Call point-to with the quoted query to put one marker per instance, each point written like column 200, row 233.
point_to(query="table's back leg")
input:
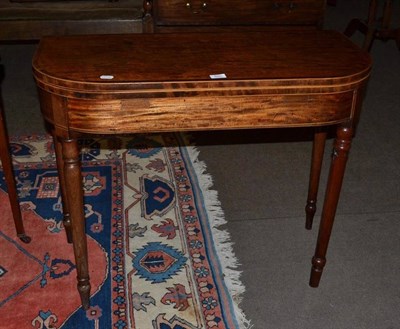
column 74, row 193
column 10, row 181
column 341, row 149
column 315, row 173
column 60, row 168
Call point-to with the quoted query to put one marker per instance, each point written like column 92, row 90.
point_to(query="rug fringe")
column 224, row 246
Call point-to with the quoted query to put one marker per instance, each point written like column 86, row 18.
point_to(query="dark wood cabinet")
column 31, row 20
column 169, row 14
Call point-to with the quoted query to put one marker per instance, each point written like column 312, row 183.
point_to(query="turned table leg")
column 341, row 149
column 74, row 195
column 315, row 173
column 61, row 177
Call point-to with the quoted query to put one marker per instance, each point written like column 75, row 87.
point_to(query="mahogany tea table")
column 142, row 83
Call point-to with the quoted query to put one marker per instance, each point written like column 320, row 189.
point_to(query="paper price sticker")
column 106, row 77
column 218, row 76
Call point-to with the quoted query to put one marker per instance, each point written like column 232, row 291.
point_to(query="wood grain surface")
column 194, row 56
column 161, row 82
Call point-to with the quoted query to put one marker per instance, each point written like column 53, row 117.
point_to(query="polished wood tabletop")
column 112, row 84
column 149, row 71
column 240, row 55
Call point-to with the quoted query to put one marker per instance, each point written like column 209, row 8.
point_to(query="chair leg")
column 367, row 28
column 315, row 173
column 388, row 35
column 10, row 181
column 387, row 14
column 64, row 200
column 369, row 39
column 354, row 26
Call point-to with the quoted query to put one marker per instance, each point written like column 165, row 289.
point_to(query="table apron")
column 208, row 112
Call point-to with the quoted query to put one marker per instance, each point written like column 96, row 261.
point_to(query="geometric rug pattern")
column 157, row 255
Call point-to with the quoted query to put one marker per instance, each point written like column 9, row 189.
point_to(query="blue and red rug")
column 157, row 257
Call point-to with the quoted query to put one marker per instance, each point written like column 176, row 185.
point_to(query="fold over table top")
column 190, row 81
column 149, row 60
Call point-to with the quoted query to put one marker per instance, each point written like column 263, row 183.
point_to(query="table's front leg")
column 341, row 149
column 74, row 193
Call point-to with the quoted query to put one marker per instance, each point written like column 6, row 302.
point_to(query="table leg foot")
column 316, row 271
column 311, row 209
column 24, row 238
column 84, row 292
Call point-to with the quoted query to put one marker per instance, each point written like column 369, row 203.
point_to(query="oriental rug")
column 158, row 257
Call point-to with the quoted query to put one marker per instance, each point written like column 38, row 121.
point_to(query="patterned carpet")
column 157, row 258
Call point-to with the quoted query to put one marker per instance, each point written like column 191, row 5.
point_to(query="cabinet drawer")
column 238, row 12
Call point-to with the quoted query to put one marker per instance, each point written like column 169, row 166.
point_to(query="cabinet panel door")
column 238, row 12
